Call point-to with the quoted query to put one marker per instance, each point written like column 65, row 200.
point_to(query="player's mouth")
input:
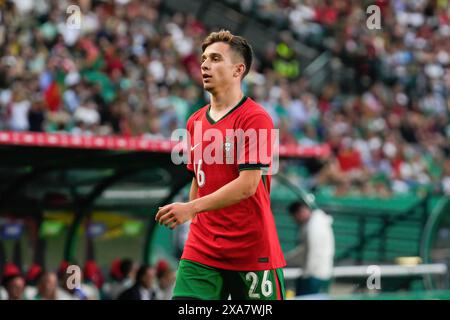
column 206, row 77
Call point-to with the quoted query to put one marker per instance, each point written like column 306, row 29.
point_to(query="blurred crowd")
column 385, row 108
column 125, row 281
column 120, row 73
column 133, row 69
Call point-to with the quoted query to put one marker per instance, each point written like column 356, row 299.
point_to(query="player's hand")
column 175, row 214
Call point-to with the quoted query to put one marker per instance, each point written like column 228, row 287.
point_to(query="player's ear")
column 239, row 70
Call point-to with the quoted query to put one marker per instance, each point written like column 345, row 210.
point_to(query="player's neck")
column 222, row 101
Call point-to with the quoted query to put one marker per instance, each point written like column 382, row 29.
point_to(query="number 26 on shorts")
column 266, row 285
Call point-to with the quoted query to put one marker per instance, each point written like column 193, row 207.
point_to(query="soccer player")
column 232, row 247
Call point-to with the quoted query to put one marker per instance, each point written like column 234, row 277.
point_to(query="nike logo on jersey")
column 192, row 148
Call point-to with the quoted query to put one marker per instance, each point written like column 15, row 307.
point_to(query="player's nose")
column 205, row 65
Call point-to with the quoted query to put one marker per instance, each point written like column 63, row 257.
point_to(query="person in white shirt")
column 315, row 254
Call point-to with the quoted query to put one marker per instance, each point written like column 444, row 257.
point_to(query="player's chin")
column 208, row 86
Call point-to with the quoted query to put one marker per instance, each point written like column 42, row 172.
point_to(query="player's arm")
column 246, row 184
column 233, row 192
column 193, row 192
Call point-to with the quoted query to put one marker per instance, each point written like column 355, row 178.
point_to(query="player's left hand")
column 175, row 214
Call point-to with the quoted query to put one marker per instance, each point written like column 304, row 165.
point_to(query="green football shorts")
column 198, row 281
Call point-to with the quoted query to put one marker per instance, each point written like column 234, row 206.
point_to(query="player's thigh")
column 198, row 281
column 258, row 285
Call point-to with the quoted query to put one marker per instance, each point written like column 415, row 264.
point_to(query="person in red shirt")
column 349, row 158
column 232, row 247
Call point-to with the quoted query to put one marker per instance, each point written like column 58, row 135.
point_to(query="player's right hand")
column 175, row 214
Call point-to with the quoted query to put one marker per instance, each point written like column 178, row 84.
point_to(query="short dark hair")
column 126, row 265
column 295, row 206
column 237, row 43
column 7, row 280
column 141, row 272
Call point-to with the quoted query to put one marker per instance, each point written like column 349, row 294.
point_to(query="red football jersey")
column 243, row 236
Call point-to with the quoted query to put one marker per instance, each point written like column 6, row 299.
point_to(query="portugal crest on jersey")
column 228, row 147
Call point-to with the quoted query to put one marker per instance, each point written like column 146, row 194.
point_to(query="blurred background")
column 87, row 107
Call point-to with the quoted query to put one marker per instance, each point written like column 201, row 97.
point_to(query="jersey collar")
column 240, row 103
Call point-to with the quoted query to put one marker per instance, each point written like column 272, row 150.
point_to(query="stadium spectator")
column 15, row 287
column 143, row 287
column 48, row 289
column 13, row 282
column 122, row 275
column 77, row 289
column 93, row 274
column 166, row 280
column 315, row 253
column 31, row 279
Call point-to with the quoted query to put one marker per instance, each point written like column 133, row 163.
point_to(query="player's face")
column 218, row 66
